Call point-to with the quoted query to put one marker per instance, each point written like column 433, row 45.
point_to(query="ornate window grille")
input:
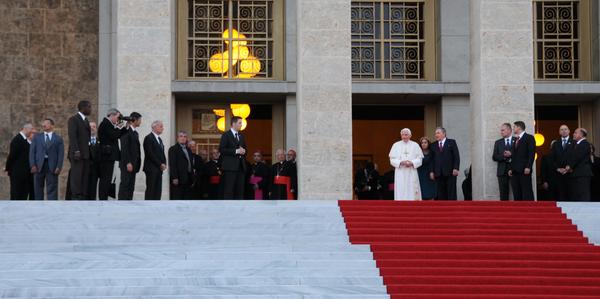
column 393, row 40
column 233, row 39
column 561, row 39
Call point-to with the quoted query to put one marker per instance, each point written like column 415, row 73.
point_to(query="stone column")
column 324, row 100
column 141, row 64
column 501, row 81
column 457, row 108
column 453, row 40
column 291, row 120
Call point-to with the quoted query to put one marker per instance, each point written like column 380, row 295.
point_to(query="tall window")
column 232, row 39
column 561, row 39
column 393, row 40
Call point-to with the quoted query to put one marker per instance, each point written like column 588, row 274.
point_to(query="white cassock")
column 406, row 179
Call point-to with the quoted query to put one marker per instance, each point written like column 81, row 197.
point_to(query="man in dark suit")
column 446, row 165
column 110, row 130
column 46, row 157
column 212, row 176
column 131, row 160
column 559, row 160
column 79, row 151
column 260, row 176
column 521, row 166
column 290, row 157
column 17, row 165
column 233, row 154
column 282, row 173
column 94, row 162
column 549, row 176
column 181, row 172
column 366, row 182
column 197, row 188
column 155, row 161
column 502, row 155
column 580, row 167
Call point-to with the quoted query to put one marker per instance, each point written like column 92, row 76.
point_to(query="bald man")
column 579, row 167
column 559, row 160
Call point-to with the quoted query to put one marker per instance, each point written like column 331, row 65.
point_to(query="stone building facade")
column 48, row 62
column 472, row 65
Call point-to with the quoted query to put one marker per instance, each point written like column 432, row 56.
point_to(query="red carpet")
column 481, row 249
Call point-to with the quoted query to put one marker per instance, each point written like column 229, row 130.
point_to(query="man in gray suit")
column 46, row 157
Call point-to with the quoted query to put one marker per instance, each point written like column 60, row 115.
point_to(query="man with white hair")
column 155, row 161
column 17, row 165
column 406, row 156
column 110, row 130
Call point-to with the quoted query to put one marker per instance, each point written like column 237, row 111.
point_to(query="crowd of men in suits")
column 566, row 172
column 571, row 172
column 36, row 159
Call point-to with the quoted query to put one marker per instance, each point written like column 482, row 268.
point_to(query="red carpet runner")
column 475, row 249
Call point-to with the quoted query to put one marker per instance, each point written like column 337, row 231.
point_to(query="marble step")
column 183, row 264
column 217, row 272
column 177, row 211
column 183, row 221
column 197, row 239
column 329, row 296
column 174, row 231
column 184, row 255
column 43, row 292
column 176, row 203
column 158, row 211
column 161, row 247
column 190, row 281
column 264, row 225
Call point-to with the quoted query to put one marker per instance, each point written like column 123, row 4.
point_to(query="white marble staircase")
column 182, row 249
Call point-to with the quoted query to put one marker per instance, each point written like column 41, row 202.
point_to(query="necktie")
column 564, row 143
column 47, row 145
column 237, row 137
column 517, row 141
column 441, row 146
column 507, row 145
column 93, row 140
column 161, row 143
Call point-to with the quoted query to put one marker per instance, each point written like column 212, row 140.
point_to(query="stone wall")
column 324, row 100
column 48, row 62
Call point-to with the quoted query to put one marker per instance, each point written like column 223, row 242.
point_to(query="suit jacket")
column 523, row 153
column 446, row 159
column 261, row 169
column 559, row 155
column 17, row 162
column 230, row 161
column 130, row 150
column 548, row 171
column 154, row 154
column 109, row 136
column 180, row 167
column 79, row 137
column 362, row 179
column 55, row 150
column 579, row 159
column 95, row 151
column 498, row 156
column 197, row 165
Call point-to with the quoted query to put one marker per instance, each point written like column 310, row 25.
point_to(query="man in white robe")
column 406, row 156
